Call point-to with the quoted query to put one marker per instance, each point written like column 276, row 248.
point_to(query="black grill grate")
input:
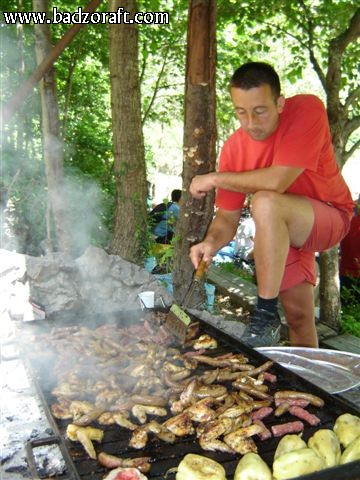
column 166, row 456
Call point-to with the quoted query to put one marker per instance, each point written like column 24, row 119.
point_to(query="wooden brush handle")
column 200, row 271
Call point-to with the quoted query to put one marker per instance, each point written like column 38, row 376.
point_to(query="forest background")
column 296, row 37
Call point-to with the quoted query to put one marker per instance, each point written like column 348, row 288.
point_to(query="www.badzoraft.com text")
column 79, row 16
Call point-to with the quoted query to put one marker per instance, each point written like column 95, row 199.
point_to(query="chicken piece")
column 85, row 435
column 61, row 410
column 140, row 435
column 211, row 391
column 189, row 362
column 172, row 367
column 215, row 445
column 252, row 390
column 241, row 444
column 229, row 401
column 121, row 419
column 141, row 411
column 108, row 396
column 161, row 432
column 112, row 461
column 153, row 400
column 188, row 392
column 147, row 382
column 201, row 411
column 214, row 429
column 178, row 376
column 266, row 433
column 85, row 412
column 180, row 425
column 106, row 418
column 204, row 341
column 141, row 370
column 226, row 374
column 185, row 399
column 237, row 410
column 67, row 390
column 209, row 377
column 239, row 439
column 139, row 438
column 166, row 436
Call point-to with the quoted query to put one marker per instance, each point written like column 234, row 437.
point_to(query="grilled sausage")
column 313, row 399
column 284, row 428
column 304, row 415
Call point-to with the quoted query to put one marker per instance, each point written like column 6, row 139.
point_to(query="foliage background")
column 282, row 33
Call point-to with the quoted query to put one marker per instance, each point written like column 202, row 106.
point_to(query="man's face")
column 257, row 110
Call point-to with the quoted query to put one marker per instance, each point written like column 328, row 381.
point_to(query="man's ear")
column 280, row 103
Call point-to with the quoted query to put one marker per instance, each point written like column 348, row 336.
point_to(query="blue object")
column 150, row 264
column 226, row 254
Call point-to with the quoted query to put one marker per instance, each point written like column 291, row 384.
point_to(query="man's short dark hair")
column 255, row 74
column 175, row 195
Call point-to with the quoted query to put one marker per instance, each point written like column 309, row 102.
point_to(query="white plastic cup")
column 147, row 299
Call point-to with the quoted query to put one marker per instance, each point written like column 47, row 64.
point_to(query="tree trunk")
column 130, row 228
column 329, row 288
column 199, row 139
column 52, row 143
column 20, row 138
column 47, row 62
column 338, row 120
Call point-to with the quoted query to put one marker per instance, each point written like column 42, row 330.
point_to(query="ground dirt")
column 225, row 307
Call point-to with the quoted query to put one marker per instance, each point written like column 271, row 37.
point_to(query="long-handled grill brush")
column 177, row 320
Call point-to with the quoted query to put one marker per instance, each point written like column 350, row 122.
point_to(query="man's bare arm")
column 274, row 178
column 220, row 232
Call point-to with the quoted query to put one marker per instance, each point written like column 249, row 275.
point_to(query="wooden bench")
column 345, row 342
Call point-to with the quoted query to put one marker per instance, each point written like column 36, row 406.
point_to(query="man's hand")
column 201, row 251
column 202, row 184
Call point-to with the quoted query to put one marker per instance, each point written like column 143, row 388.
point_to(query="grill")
column 166, row 456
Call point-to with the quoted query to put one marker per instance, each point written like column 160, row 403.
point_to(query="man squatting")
column 282, row 154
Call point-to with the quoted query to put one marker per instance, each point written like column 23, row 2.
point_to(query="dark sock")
column 268, row 304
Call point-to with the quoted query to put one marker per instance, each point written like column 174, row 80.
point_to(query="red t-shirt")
column 302, row 139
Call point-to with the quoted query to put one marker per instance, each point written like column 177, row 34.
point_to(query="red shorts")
column 330, row 227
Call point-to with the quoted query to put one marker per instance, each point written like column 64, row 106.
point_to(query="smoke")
column 24, row 211
column 88, row 208
column 26, row 223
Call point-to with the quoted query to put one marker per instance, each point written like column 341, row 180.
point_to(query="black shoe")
column 263, row 330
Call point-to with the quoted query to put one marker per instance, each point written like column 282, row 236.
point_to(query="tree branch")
column 353, row 96
column 310, row 46
column 156, row 88
column 347, row 153
column 336, row 50
column 350, row 126
column 352, row 33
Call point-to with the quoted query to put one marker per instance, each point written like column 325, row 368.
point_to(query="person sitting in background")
column 164, row 218
column 350, row 257
column 244, row 238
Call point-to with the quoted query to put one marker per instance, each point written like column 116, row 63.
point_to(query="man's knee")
column 264, row 202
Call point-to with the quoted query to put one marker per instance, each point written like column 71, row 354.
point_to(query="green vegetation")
column 231, row 267
column 350, row 312
column 289, row 35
